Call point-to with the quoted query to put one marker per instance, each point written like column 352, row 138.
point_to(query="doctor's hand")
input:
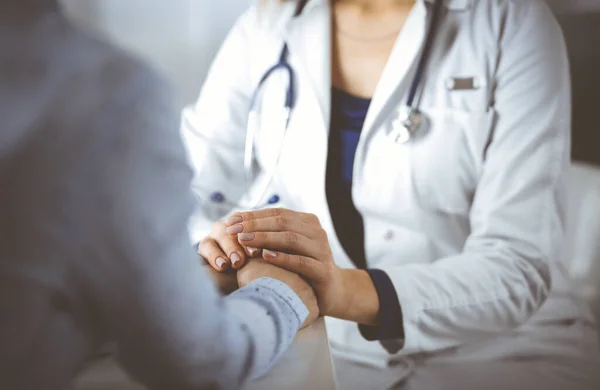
column 222, row 251
column 296, row 242
column 257, row 268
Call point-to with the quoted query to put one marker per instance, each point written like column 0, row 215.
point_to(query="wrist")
column 356, row 299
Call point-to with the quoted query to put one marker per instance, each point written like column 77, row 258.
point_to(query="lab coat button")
column 389, row 235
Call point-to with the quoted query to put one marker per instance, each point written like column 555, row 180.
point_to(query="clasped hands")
column 278, row 243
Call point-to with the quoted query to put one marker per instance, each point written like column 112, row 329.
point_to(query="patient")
column 93, row 240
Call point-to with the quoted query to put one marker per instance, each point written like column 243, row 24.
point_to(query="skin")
column 256, row 268
column 223, row 253
column 296, row 241
column 357, row 65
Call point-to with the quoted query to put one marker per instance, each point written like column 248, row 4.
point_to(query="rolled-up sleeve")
column 390, row 325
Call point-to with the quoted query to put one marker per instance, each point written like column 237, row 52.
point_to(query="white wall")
column 179, row 37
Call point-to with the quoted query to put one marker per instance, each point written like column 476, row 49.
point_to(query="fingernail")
column 269, row 253
column 252, row 251
column 233, row 220
column 235, row 229
column 221, row 262
column 235, row 258
column 246, row 236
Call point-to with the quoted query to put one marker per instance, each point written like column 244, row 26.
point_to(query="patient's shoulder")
column 104, row 94
column 106, row 70
column 104, row 80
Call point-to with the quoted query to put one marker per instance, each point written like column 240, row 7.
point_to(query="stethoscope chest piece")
column 407, row 125
column 410, row 120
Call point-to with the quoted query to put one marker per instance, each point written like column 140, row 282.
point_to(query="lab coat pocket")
column 447, row 159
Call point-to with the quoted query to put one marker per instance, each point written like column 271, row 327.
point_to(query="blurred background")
column 580, row 20
column 181, row 37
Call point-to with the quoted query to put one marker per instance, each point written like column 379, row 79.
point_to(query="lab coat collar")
column 309, row 40
column 453, row 5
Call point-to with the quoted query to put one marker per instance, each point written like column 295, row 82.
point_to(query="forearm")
column 358, row 300
column 173, row 330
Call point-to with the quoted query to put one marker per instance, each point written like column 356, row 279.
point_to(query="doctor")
column 423, row 147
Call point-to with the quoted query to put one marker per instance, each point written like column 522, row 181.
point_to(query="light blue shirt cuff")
column 273, row 318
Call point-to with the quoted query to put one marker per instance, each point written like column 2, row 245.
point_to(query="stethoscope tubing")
column 283, row 64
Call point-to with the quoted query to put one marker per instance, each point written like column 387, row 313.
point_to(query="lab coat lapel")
column 309, row 41
column 308, row 37
column 400, row 65
column 402, row 62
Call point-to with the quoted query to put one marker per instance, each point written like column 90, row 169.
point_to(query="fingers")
column 279, row 223
column 221, row 250
column 252, row 252
column 301, row 265
column 272, row 213
column 234, row 251
column 212, row 253
column 289, row 242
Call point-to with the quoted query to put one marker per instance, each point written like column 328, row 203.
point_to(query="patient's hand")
column 222, row 251
column 257, row 268
column 226, row 281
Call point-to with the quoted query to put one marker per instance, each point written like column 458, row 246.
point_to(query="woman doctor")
column 437, row 232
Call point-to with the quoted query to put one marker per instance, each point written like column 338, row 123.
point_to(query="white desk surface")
column 306, row 365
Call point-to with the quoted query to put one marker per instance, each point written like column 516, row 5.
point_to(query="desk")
column 306, row 365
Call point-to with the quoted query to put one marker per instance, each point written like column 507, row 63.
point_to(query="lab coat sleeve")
column 517, row 217
column 214, row 128
column 143, row 281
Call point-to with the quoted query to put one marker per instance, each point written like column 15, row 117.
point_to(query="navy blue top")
column 348, row 115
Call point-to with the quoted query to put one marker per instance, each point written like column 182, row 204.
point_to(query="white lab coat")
column 468, row 219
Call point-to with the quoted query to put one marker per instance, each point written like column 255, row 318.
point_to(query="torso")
column 362, row 41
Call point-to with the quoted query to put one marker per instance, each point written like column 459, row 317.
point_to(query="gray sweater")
column 95, row 200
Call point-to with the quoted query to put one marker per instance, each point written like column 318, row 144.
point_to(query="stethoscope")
column 404, row 128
